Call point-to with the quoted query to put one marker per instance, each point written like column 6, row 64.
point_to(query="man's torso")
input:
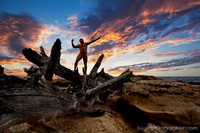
column 83, row 48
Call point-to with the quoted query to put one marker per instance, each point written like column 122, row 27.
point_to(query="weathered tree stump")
column 30, row 102
column 1, row 70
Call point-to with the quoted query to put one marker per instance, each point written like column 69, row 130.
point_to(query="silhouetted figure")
column 82, row 53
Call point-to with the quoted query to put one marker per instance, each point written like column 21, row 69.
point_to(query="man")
column 82, row 53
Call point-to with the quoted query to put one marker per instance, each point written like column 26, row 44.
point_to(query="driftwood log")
column 41, row 60
column 32, row 102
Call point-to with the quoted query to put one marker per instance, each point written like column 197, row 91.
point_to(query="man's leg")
column 78, row 58
column 85, row 64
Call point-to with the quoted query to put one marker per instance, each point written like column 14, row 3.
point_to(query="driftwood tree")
column 31, row 102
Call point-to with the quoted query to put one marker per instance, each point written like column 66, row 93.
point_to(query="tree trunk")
column 33, row 103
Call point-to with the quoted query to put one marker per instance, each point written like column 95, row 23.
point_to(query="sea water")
column 182, row 79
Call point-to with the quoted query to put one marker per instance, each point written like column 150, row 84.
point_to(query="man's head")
column 81, row 40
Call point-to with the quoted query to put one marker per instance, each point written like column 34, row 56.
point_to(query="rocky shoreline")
column 144, row 104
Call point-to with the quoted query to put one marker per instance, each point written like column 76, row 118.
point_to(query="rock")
column 167, row 102
column 164, row 103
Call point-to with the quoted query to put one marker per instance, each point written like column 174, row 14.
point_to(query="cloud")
column 135, row 10
column 3, row 57
column 73, row 21
column 191, row 24
column 18, row 72
column 177, row 69
column 125, row 27
column 142, row 67
column 135, row 26
column 186, row 53
column 18, row 32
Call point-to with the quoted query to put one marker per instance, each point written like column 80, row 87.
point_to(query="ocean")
column 182, row 79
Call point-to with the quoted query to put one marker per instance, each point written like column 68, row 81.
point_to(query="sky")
column 149, row 37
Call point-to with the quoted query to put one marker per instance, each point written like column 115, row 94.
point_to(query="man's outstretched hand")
column 72, row 40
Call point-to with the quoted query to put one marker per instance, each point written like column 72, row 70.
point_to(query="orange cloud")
column 19, row 31
column 122, row 49
column 178, row 69
column 73, row 21
column 118, row 72
column 17, row 72
column 111, row 32
column 190, row 52
column 152, row 7
column 174, row 42
column 123, row 31
column 145, row 21
column 12, row 61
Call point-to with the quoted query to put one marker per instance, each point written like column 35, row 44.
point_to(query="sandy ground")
column 110, row 122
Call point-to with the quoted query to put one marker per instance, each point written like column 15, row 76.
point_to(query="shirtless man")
column 82, row 53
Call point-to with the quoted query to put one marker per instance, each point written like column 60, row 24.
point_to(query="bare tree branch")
column 94, row 70
column 54, row 58
column 42, row 52
column 110, row 83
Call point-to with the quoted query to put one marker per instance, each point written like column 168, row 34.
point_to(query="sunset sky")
column 150, row 37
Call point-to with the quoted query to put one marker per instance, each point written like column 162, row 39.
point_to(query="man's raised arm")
column 93, row 40
column 72, row 41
